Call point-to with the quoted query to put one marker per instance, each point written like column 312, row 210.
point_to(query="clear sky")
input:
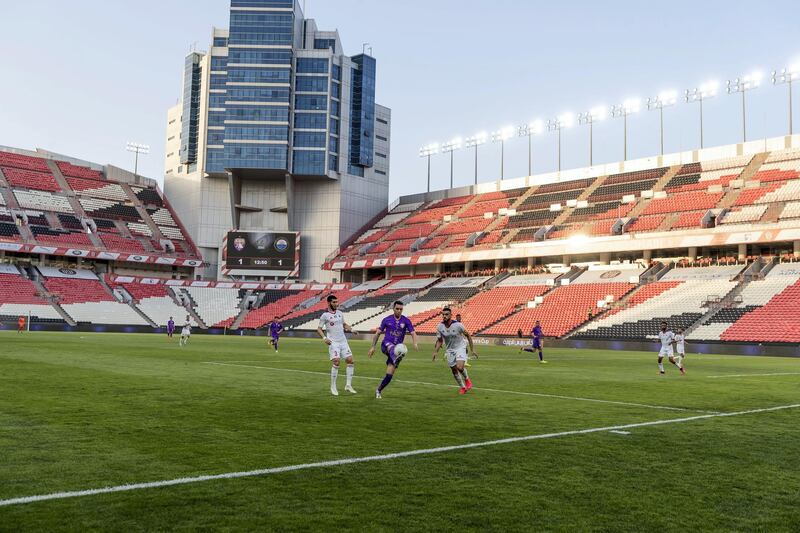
column 86, row 76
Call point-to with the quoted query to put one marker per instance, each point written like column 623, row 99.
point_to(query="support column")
column 364, row 275
column 742, row 255
column 605, row 258
column 498, row 264
column 647, row 255
column 796, row 247
column 531, row 262
column 413, row 270
column 235, row 190
column 566, row 260
column 387, row 273
column 467, row 266
column 693, row 253
column 438, row 268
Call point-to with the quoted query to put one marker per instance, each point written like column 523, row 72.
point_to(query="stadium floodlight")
column 748, row 82
column 137, row 149
column 787, row 76
column 451, row 146
column 664, row 99
column 427, row 151
column 564, row 120
column 534, row 127
column 473, row 142
column 628, row 107
column 596, row 114
column 501, row 136
column 699, row 94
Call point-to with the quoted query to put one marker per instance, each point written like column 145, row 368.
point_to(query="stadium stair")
column 670, row 219
column 729, row 199
column 753, row 166
column 190, row 305
column 665, row 179
column 772, row 213
column 243, row 313
column 726, row 302
column 591, row 188
column 52, row 299
column 58, row 175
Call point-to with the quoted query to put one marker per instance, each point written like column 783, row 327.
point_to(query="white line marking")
column 752, row 375
column 371, row 458
column 520, row 393
column 618, row 432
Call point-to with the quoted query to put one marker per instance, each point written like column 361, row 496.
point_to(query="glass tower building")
column 277, row 129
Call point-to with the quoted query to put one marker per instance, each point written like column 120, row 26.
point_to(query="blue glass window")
column 218, row 81
column 216, row 118
column 309, row 162
column 259, row 57
column 310, row 121
column 309, row 65
column 314, row 84
column 324, row 44
column 307, row 139
column 215, row 160
column 333, row 144
column 336, row 90
column 337, row 72
column 219, row 63
column 259, row 75
column 216, row 100
column 335, row 126
column 260, row 94
column 333, row 163
column 260, row 113
column 220, row 41
column 257, row 133
column 256, row 156
column 216, row 137
column 335, row 108
column 310, row 102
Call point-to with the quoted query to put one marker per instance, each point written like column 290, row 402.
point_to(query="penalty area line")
column 372, row 458
column 754, row 375
column 502, row 391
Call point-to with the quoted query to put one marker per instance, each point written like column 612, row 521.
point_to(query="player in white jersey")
column 332, row 328
column 186, row 332
column 680, row 346
column 455, row 338
column 667, row 338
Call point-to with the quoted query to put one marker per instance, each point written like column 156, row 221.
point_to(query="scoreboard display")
column 265, row 253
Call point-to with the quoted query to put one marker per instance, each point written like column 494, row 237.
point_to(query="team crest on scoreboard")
column 281, row 245
column 239, row 243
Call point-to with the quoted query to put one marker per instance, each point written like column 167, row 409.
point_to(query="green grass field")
column 87, row 411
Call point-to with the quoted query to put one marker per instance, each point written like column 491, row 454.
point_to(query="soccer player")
column 20, row 324
column 275, row 329
column 667, row 338
column 394, row 328
column 458, row 319
column 537, row 342
column 680, row 347
column 170, row 327
column 452, row 335
column 186, row 332
column 332, row 328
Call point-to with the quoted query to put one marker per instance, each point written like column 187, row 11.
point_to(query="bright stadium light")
column 534, row 127
column 628, row 107
column 473, row 142
column 502, row 136
column 664, row 99
column 787, row 76
column 748, row 82
column 137, row 149
column 427, row 151
column 698, row 94
column 451, row 146
column 596, row 114
column 564, row 120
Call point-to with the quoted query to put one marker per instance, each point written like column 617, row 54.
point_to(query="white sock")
column 457, row 376
column 334, row 375
column 349, row 371
column 661, row 366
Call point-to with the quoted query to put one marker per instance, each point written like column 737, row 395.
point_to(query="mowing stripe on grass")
column 520, row 393
column 371, row 458
column 754, row 375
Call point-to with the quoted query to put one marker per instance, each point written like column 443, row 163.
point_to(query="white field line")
column 619, row 432
column 372, row 458
column 754, row 375
column 519, row 393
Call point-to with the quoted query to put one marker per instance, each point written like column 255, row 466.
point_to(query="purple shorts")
column 388, row 350
column 537, row 344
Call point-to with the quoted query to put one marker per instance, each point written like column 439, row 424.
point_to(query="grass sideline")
column 82, row 411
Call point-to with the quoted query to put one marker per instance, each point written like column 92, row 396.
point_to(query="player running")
column 680, row 346
column 667, row 338
column 394, row 327
column 170, row 327
column 275, row 329
column 332, row 328
column 458, row 319
column 452, row 334
column 537, row 342
column 186, row 332
column 21, row 324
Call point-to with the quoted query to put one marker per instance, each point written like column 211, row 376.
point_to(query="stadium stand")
column 276, row 303
column 154, row 301
column 87, row 301
column 214, row 305
column 19, row 297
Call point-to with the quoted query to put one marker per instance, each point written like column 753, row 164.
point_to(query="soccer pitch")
column 594, row 440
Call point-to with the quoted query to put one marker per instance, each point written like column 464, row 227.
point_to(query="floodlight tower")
column 748, row 82
column 596, row 114
column 530, row 129
column 564, row 120
column 428, row 151
column 501, row 136
column 137, row 149
column 787, row 76
column 699, row 94
column 473, row 142
column 628, row 107
column 451, row 146
column 664, row 99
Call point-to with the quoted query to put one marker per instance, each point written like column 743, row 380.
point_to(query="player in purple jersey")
column 275, row 329
column 537, row 342
column 170, row 327
column 394, row 329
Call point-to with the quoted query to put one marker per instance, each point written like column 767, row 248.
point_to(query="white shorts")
column 186, row 333
column 339, row 350
column 681, row 352
column 453, row 356
column 666, row 351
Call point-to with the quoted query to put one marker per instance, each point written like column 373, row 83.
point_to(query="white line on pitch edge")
column 371, row 458
column 519, row 393
column 620, row 432
column 754, row 375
